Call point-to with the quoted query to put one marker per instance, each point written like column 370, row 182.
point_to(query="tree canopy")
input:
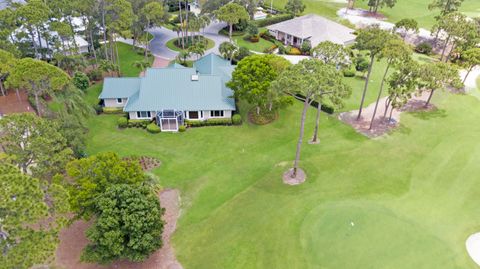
column 295, row 7
column 231, row 13
column 26, row 204
column 252, row 77
column 90, row 177
column 35, row 144
column 128, row 225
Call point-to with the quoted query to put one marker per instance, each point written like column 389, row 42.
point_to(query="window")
column 119, row 100
column 143, row 114
column 216, row 113
column 193, row 115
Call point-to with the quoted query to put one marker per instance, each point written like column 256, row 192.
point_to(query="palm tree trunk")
column 37, row 104
column 317, row 123
column 372, row 58
column 387, row 105
column 300, row 137
column 104, row 34
column 450, row 53
column 468, row 73
column 379, row 95
column 118, row 58
column 230, row 32
column 429, row 98
column 35, row 49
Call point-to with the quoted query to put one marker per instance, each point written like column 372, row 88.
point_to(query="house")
column 174, row 93
column 311, row 27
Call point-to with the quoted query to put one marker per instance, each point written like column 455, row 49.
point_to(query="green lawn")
column 416, row 9
column 127, row 57
column 412, row 196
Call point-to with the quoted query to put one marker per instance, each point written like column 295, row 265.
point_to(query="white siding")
column 112, row 102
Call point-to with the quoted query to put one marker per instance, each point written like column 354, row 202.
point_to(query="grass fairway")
column 416, row 9
column 413, row 196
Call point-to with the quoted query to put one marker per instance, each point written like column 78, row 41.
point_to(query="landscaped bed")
column 175, row 43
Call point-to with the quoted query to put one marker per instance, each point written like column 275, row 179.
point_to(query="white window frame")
column 221, row 114
column 147, row 113
column 121, row 101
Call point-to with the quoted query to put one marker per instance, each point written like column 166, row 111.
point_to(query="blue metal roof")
column 178, row 87
column 119, row 87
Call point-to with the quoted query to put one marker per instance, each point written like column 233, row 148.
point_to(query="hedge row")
column 112, row 110
column 273, row 20
column 208, row 122
column 138, row 123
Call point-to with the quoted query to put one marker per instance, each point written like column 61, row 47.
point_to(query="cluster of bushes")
column 267, row 36
column 349, row 72
column 235, row 120
column 273, row 20
column 424, row 48
column 123, row 122
column 292, row 51
column 153, row 128
column 112, row 110
column 270, row 49
column 95, row 75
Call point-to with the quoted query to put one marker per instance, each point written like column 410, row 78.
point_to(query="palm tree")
column 142, row 65
column 182, row 56
column 227, row 50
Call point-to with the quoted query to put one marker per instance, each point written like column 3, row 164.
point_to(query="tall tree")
column 90, row 177
column 128, row 225
column 152, row 14
column 26, row 238
column 32, row 16
column 395, row 52
column 252, row 78
column 38, row 78
column 406, row 25
column 445, row 6
column 231, row 13
column 333, row 92
column 371, row 39
column 376, row 4
column 469, row 58
column 227, row 49
column 331, row 53
column 7, row 61
column 295, row 7
column 439, row 75
column 403, row 82
column 35, row 144
column 306, row 79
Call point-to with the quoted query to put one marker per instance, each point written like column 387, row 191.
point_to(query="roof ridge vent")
column 195, row 77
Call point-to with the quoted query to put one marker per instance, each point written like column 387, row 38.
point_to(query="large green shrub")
column 237, row 119
column 273, row 20
column 209, row 122
column 95, row 75
column 81, row 81
column 122, row 122
column 153, row 128
column 112, row 110
column 424, row 48
column 138, row 123
column 348, row 73
column 182, row 128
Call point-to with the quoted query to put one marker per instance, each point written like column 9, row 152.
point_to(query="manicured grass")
column 408, row 200
column 412, row 196
column 416, row 9
column 170, row 44
column 259, row 46
column 128, row 55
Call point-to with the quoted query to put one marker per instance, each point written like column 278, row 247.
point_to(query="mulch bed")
column 147, row 163
column 12, row 104
column 297, row 180
column 263, row 118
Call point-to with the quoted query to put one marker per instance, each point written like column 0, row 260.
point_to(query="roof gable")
column 119, row 87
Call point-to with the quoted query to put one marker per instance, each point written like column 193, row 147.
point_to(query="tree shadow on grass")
column 426, row 115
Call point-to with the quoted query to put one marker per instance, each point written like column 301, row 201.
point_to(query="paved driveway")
column 161, row 35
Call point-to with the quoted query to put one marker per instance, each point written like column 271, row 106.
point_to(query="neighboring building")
column 174, row 93
column 311, row 27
